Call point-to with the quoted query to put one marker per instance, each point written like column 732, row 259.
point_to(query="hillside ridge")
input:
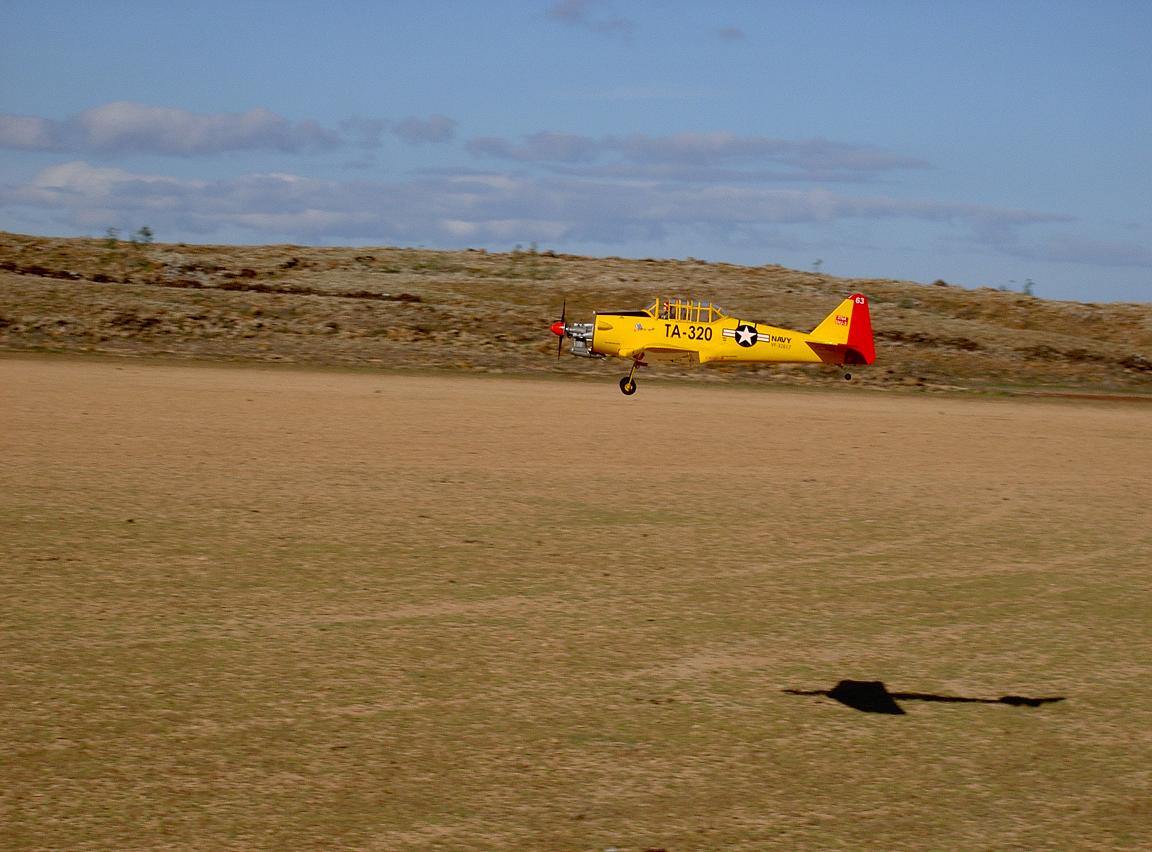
column 489, row 311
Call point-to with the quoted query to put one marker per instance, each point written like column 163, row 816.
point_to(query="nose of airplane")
column 558, row 328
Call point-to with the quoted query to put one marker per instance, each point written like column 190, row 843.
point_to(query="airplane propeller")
column 558, row 328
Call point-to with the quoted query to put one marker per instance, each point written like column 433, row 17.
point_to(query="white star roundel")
column 744, row 334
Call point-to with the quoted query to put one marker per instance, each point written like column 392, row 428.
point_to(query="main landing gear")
column 628, row 383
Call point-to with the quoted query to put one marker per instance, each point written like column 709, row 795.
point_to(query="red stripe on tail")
column 861, row 348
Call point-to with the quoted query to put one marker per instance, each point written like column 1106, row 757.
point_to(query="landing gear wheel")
column 847, row 377
column 628, row 383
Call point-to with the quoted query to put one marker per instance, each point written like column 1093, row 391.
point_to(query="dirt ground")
column 281, row 608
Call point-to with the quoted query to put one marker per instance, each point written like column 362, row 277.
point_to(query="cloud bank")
column 699, row 156
column 639, row 192
column 465, row 208
column 123, row 128
column 126, row 128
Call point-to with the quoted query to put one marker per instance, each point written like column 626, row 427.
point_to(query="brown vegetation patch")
column 488, row 311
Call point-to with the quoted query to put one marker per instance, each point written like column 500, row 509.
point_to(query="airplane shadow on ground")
column 872, row 696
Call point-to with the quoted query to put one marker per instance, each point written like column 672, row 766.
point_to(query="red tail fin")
column 845, row 335
column 860, row 342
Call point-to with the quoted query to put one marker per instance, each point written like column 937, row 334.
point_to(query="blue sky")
column 983, row 143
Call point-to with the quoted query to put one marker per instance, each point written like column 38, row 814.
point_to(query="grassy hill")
column 481, row 311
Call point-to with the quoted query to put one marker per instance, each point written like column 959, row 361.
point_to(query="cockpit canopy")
column 685, row 310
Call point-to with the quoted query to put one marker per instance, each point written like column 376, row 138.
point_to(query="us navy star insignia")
column 745, row 334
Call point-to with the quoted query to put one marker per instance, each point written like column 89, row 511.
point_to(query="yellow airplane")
column 688, row 332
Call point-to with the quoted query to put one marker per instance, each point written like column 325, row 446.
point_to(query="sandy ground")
column 273, row 608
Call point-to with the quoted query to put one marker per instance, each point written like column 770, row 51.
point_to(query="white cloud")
column 25, row 132
column 809, row 155
column 124, row 127
column 587, row 15
column 78, row 185
column 364, row 132
column 417, row 131
column 700, row 156
column 476, row 208
column 543, row 147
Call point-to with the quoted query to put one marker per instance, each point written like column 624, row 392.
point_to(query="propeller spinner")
column 559, row 329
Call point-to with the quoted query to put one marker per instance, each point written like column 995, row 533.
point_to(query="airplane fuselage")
column 727, row 339
column 698, row 333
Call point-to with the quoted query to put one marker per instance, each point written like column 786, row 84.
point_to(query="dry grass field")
column 476, row 311
column 313, row 609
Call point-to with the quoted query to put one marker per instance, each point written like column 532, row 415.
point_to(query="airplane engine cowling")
column 581, row 334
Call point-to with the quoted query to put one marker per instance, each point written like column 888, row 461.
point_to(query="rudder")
column 850, row 327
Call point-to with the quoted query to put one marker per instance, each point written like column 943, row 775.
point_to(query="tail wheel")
column 847, row 377
column 628, row 386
